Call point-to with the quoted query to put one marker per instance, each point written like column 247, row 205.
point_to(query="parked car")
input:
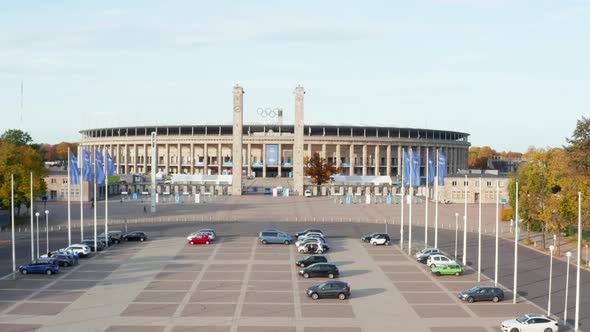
column 310, row 240
column 307, row 193
column 320, row 270
column 274, row 236
column 447, row 269
column 308, row 230
column 482, row 293
column 367, row 238
column 380, row 239
column 335, row 289
column 267, row 191
column 311, row 260
column 81, row 249
column 90, row 244
column 62, row 259
column 40, row 265
column 530, row 323
column 424, row 258
column 304, row 238
column 310, row 234
column 438, row 259
column 210, row 232
column 311, row 248
column 200, row 238
column 75, row 257
column 115, row 236
column 135, row 236
column 426, row 251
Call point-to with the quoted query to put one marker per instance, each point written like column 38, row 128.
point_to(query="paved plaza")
column 236, row 284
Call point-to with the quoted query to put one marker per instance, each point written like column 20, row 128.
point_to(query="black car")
column 309, row 230
column 367, row 238
column 424, row 258
column 482, row 293
column 90, row 243
column 63, row 259
column 320, row 270
column 311, row 260
column 135, row 236
column 336, row 289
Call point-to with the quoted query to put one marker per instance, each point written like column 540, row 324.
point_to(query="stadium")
column 273, row 151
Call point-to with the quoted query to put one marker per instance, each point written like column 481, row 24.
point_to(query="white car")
column 81, row 249
column 380, row 239
column 209, row 232
column 307, row 237
column 427, row 251
column 438, row 260
column 310, row 234
column 307, row 193
column 318, row 240
column 530, row 323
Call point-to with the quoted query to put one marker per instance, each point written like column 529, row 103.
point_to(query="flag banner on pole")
column 430, row 170
column 99, row 167
column 74, row 171
column 416, row 181
column 87, row 166
column 442, row 169
column 110, row 165
column 406, row 169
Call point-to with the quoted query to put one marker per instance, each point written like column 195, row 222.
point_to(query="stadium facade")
column 274, row 150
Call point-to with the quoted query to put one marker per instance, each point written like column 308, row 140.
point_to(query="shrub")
column 506, row 214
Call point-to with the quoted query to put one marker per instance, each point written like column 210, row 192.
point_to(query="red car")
column 199, row 239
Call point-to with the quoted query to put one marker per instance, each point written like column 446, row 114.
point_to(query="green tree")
column 317, row 169
column 16, row 137
column 579, row 147
column 20, row 160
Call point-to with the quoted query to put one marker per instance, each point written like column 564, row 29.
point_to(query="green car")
column 447, row 269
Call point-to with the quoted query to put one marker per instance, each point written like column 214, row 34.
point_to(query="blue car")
column 40, row 265
column 273, row 236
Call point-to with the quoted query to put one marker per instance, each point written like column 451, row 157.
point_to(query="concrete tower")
column 238, row 123
column 298, row 143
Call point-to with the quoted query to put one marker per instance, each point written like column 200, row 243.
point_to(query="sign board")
column 197, row 198
column 275, row 192
column 124, row 193
column 135, row 197
column 177, row 197
column 157, row 198
column 272, row 154
column 367, row 199
column 503, row 201
column 389, row 199
column 286, row 192
column 348, row 198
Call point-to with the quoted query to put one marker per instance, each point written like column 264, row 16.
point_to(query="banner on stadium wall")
column 272, row 154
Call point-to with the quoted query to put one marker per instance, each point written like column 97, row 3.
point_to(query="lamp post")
column 464, row 240
column 456, row 232
column 588, row 263
column 37, row 215
column 551, row 249
column 47, row 229
column 567, row 285
column 515, row 273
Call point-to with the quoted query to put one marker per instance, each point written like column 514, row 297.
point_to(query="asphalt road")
column 533, row 267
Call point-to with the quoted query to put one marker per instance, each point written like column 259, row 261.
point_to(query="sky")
column 513, row 74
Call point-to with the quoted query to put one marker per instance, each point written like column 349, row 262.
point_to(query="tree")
column 16, row 137
column 478, row 157
column 20, row 160
column 317, row 169
column 579, row 147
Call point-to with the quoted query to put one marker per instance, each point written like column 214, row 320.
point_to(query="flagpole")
column 81, row 153
column 12, row 218
column 401, row 241
column 436, row 204
column 106, row 202
column 497, row 229
column 479, row 235
column 410, row 207
column 427, row 198
column 32, row 229
column 578, row 258
column 95, row 206
column 69, row 199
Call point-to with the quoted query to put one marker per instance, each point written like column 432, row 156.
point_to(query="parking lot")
column 237, row 284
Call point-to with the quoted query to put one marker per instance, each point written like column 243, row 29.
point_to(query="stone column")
column 377, row 159
column 388, row 160
column 219, row 159
column 351, row 159
column 145, row 157
column 324, row 152
column 205, row 160
column 298, row 141
column 337, row 155
column 167, row 159
column 237, row 141
column 264, row 160
column 364, row 159
column 249, row 158
column 400, row 160
column 179, row 159
column 280, row 159
column 192, row 160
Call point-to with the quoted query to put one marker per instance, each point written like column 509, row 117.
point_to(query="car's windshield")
column 522, row 319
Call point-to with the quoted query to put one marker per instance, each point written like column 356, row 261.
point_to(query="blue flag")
column 430, row 170
column 98, row 167
column 110, row 165
column 442, row 169
column 87, row 166
column 416, row 181
column 406, row 169
column 74, row 171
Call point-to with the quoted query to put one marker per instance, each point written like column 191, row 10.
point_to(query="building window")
column 53, row 181
column 64, row 181
column 489, row 183
column 466, row 183
column 454, row 183
column 501, row 184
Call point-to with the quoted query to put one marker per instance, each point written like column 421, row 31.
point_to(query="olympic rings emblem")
column 267, row 112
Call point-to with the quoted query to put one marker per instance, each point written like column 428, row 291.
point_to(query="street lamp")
column 37, row 215
column 456, row 232
column 464, row 240
column 567, row 283
column 47, row 229
column 551, row 249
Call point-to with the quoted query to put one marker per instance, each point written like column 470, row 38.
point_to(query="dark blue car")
column 40, row 265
